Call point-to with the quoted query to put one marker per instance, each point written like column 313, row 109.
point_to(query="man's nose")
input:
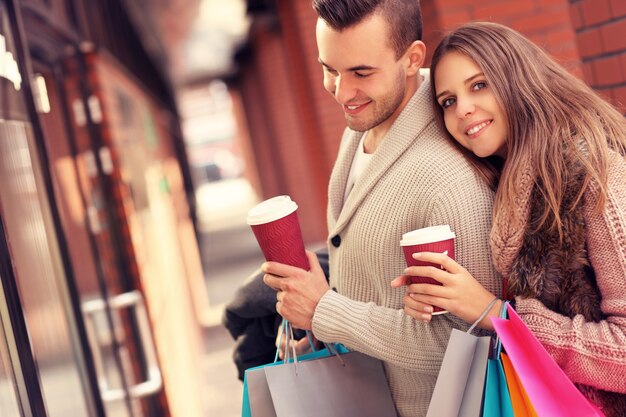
column 344, row 90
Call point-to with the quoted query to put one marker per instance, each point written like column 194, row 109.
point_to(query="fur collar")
column 537, row 264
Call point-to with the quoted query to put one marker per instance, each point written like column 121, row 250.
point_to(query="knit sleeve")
column 388, row 333
column 593, row 353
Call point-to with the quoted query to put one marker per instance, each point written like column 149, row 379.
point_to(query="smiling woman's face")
column 471, row 111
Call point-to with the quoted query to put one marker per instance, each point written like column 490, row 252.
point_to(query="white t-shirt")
column 360, row 161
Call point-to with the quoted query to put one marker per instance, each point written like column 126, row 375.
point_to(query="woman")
column 555, row 153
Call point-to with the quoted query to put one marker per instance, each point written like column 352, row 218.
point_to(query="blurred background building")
column 134, row 137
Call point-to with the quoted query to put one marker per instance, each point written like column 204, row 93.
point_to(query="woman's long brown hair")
column 555, row 120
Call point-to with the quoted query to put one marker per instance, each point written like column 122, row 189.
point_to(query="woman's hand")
column 412, row 307
column 460, row 293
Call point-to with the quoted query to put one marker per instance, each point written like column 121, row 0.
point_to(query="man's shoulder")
column 438, row 157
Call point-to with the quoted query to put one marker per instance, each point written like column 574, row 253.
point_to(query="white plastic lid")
column 427, row 235
column 271, row 209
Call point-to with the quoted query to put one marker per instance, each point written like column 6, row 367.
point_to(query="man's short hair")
column 403, row 16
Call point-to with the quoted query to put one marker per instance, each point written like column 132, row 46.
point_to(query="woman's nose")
column 464, row 108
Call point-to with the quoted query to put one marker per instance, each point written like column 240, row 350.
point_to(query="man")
column 395, row 172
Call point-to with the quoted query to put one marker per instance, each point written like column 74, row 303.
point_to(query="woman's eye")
column 447, row 102
column 479, row 85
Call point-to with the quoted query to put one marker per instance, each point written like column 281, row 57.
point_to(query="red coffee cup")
column 277, row 230
column 438, row 239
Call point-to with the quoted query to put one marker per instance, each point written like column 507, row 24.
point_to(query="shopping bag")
column 550, row 391
column 496, row 399
column 256, row 394
column 257, row 400
column 497, row 402
column 345, row 385
column 460, row 383
column 256, row 397
column 522, row 407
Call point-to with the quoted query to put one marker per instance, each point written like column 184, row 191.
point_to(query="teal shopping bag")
column 497, row 400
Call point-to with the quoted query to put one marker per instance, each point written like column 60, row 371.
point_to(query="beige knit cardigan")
column 415, row 179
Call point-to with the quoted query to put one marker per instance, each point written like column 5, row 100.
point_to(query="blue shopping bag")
column 497, row 400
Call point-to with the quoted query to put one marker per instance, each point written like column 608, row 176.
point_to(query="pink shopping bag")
column 551, row 392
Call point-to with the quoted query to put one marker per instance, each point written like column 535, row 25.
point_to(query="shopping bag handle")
column 482, row 315
column 286, row 329
column 497, row 345
column 283, row 330
column 333, row 351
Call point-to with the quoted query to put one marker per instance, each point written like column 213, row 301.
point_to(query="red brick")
column 576, row 15
column 452, row 19
column 505, row 11
column 608, row 71
column 590, row 43
column 614, row 36
column 622, row 58
column 618, row 8
column 453, row 4
column 595, row 11
column 610, row 94
column 563, row 35
column 619, row 95
column 544, row 22
column 538, row 38
column 577, row 70
column 588, row 75
column 564, row 3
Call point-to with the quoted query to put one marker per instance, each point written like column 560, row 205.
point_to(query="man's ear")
column 415, row 56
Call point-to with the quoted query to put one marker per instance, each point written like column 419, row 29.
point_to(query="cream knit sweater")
column 415, row 179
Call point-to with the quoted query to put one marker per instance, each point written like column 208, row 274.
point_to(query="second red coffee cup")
column 277, row 230
column 439, row 239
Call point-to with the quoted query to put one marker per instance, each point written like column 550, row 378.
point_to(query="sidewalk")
column 222, row 392
column 229, row 255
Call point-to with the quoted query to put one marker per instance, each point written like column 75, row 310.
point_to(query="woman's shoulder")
column 615, row 187
column 617, row 165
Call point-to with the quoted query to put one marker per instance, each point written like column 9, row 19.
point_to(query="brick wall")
column 545, row 22
column 600, row 27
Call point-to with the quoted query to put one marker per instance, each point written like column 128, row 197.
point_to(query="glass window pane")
column 38, row 272
column 8, row 395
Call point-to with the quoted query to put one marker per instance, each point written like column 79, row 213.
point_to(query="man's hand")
column 298, row 291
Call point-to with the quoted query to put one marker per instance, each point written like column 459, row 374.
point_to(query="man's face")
column 362, row 72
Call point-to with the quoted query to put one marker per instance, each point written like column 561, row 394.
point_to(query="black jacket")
column 252, row 320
